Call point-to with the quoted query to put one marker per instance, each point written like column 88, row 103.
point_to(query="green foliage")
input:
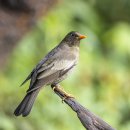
column 100, row 82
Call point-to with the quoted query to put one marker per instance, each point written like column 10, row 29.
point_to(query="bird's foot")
column 61, row 90
column 65, row 94
column 54, row 87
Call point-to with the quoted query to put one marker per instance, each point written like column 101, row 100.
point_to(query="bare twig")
column 87, row 118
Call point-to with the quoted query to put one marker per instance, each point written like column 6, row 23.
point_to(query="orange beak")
column 82, row 36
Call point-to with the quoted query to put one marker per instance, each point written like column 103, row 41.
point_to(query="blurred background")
column 100, row 82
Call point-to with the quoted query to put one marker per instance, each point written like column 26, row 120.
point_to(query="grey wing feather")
column 51, row 73
column 41, row 66
column 58, row 62
column 29, row 77
column 51, row 64
column 57, row 65
column 33, row 71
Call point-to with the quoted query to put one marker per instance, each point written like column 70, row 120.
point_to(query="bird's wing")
column 41, row 64
column 61, row 60
column 56, row 65
column 33, row 71
column 54, row 62
column 45, row 76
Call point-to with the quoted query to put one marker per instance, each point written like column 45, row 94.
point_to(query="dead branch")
column 87, row 118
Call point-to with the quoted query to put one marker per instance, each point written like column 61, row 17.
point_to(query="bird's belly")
column 63, row 75
column 58, row 80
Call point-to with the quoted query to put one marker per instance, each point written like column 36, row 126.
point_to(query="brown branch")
column 87, row 118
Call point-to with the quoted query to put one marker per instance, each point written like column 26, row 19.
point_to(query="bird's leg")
column 66, row 95
column 61, row 90
column 53, row 88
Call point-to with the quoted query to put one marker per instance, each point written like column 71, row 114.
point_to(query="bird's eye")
column 72, row 34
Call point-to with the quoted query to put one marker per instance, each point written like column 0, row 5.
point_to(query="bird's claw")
column 66, row 96
column 53, row 88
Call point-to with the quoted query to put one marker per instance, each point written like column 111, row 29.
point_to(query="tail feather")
column 25, row 106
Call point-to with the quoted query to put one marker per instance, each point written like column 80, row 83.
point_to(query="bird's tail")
column 26, row 104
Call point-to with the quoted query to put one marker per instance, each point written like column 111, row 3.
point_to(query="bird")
column 51, row 70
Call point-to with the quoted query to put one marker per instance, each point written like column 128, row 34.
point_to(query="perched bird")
column 51, row 70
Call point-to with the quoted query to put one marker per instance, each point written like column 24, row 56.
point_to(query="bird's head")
column 73, row 38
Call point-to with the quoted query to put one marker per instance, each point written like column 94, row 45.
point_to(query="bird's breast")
column 70, row 58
